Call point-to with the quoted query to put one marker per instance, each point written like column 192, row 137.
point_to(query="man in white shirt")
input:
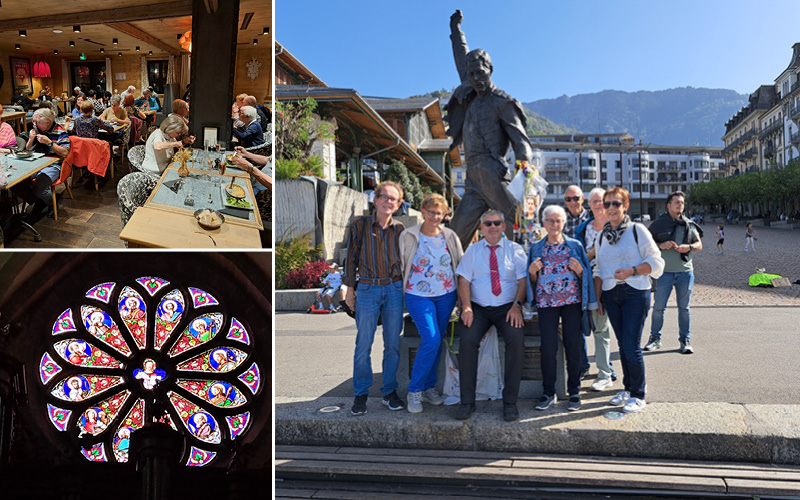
column 491, row 287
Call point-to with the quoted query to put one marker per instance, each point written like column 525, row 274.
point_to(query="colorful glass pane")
column 218, row 393
column 199, row 458
column 238, row 333
column 238, row 423
column 58, row 416
column 199, row 331
column 96, row 453
column 217, row 360
column 202, row 298
column 100, row 325
column 252, row 378
column 81, row 353
column 133, row 312
column 80, row 387
column 168, row 315
column 152, row 285
column 149, row 374
column 101, row 292
column 48, row 368
column 132, row 422
column 64, row 323
column 200, row 424
column 95, row 419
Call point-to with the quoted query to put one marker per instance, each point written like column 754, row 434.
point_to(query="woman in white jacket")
column 626, row 258
column 430, row 253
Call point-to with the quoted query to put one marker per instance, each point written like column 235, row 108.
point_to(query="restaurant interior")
column 214, row 50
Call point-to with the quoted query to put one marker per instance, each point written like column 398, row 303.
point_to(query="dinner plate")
column 225, row 199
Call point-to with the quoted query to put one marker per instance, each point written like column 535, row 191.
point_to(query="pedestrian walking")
column 626, row 255
column 720, row 240
column 430, row 253
column 750, row 237
column 373, row 261
column 677, row 237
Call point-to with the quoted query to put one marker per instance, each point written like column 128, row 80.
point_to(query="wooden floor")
column 91, row 220
column 366, row 473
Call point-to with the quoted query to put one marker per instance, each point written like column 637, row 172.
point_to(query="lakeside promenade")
column 737, row 399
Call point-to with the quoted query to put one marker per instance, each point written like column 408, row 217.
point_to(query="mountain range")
column 681, row 116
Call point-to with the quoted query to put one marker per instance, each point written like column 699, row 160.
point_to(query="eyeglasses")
column 596, row 202
column 387, row 198
column 490, row 223
column 433, row 213
column 554, row 221
column 571, row 198
column 615, row 204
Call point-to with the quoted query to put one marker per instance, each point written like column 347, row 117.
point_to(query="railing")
column 772, row 128
column 671, row 179
column 558, row 166
column 669, row 168
column 769, row 151
column 557, row 178
column 750, row 152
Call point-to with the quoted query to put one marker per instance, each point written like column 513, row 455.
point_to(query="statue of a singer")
column 488, row 121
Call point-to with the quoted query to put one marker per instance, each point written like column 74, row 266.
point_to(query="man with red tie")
column 491, row 288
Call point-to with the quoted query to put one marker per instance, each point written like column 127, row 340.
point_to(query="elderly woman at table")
column 87, row 125
column 8, row 140
column 49, row 138
column 115, row 113
column 158, row 152
column 252, row 134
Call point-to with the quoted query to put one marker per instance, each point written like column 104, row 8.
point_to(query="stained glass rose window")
column 146, row 352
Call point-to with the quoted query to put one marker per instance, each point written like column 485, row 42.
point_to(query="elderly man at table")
column 8, row 140
column 262, row 118
column 180, row 108
column 130, row 90
column 147, row 97
column 492, row 284
column 99, row 107
column 253, row 134
column 49, row 138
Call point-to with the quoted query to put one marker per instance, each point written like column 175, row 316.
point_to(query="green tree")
column 398, row 172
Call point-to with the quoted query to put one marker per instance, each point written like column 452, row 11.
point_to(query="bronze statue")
column 488, row 121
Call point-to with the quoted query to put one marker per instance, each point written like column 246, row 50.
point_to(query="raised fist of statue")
column 455, row 20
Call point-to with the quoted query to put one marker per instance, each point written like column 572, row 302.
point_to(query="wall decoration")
column 21, row 73
column 252, row 68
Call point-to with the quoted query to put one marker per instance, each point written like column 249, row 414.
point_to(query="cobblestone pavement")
column 721, row 280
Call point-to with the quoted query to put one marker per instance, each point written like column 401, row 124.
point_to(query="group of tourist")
column 590, row 274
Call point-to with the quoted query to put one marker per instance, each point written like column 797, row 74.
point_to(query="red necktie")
column 493, row 269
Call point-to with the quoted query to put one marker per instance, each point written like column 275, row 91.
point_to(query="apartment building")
column 649, row 172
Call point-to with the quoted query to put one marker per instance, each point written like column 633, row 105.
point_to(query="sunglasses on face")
column 615, row 204
column 572, row 198
column 490, row 223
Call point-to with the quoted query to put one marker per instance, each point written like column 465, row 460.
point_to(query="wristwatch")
column 518, row 303
column 634, row 270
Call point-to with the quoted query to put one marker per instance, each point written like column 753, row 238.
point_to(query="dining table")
column 17, row 170
column 16, row 118
column 167, row 219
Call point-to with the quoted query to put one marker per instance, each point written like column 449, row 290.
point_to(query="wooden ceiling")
column 150, row 27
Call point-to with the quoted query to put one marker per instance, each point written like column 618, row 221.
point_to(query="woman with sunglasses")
column 626, row 257
column 561, row 288
column 430, row 255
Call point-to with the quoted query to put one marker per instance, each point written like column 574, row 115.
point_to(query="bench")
column 531, row 385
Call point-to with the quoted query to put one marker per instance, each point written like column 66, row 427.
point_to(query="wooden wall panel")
column 261, row 87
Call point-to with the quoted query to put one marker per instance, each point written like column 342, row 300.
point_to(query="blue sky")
column 543, row 49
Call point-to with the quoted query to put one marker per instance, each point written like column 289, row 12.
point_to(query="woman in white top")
column 626, row 258
column 158, row 151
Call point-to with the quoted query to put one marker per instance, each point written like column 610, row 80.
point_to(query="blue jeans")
column 431, row 315
column 683, row 283
column 627, row 309
column 372, row 301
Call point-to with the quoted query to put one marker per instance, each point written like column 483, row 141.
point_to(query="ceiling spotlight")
column 102, row 51
column 16, row 46
column 266, row 31
column 255, row 41
column 23, row 33
column 137, row 48
column 114, row 41
column 71, row 43
column 150, row 53
column 55, row 51
column 57, row 31
column 119, row 53
column 76, row 29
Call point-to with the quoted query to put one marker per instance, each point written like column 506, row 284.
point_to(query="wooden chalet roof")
column 360, row 125
column 287, row 59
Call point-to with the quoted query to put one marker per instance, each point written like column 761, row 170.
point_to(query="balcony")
column 750, row 152
column 795, row 113
column 671, row 179
column 796, row 138
column 558, row 179
column 774, row 127
column 588, row 176
column 769, row 151
column 669, row 168
column 558, row 166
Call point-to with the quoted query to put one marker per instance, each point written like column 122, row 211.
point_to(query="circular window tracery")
column 104, row 382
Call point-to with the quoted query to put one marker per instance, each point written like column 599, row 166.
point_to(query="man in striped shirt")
column 373, row 261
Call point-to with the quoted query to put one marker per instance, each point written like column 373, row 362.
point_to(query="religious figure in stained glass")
column 150, row 375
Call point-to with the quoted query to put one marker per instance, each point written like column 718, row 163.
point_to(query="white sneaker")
column 414, row 402
column 634, row 405
column 621, row 398
column 432, row 397
column 602, row 384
